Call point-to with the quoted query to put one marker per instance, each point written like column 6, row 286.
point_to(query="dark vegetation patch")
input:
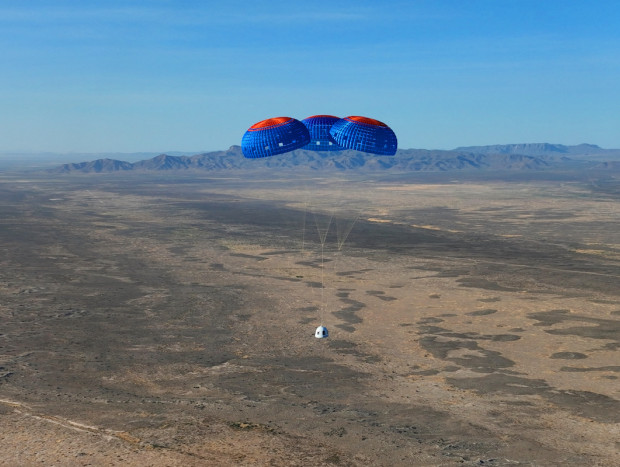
column 571, row 369
column 481, row 283
column 380, row 294
column 348, row 313
column 353, row 273
column 429, row 372
column 430, row 319
column 479, row 360
column 583, row 403
column 595, row 328
column 488, row 311
column 489, row 300
column 244, row 255
column 569, row 355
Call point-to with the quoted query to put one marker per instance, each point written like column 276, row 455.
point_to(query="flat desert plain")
column 161, row 319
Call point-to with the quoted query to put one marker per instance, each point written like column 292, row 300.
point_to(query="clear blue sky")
column 110, row 75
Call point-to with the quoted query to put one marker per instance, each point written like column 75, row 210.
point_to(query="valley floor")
column 170, row 321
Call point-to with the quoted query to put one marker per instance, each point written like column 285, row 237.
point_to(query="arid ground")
column 169, row 320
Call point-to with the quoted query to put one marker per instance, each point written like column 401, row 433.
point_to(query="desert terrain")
column 169, row 319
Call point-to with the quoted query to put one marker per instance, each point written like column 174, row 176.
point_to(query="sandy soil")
column 169, row 321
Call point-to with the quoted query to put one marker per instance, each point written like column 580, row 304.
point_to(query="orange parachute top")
column 270, row 123
column 366, row 120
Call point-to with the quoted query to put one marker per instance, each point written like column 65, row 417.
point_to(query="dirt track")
column 169, row 322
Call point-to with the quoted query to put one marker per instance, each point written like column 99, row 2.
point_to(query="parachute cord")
column 322, row 284
column 304, row 221
column 303, row 230
column 343, row 234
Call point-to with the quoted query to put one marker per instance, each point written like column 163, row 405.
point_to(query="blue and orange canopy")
column 320, row 139
column 318, row 133
column 274, row 136
column 364, row 134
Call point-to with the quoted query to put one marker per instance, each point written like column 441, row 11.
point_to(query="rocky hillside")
column 499, row 157
column 591, row 151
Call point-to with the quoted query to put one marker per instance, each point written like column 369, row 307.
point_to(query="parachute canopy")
column 320, row 139
column 274, row 136
column 364, row 134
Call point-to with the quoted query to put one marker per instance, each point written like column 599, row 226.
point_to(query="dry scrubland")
column 169, row 321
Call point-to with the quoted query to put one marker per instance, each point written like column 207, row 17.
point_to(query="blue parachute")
column 274, row 136
column 320, row 139
column 364, row 134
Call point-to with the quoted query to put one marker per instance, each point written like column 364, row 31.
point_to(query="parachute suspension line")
column 304, row 220
column 343, row 229
column 322, row 284
column 322, row 232
column 303, row 228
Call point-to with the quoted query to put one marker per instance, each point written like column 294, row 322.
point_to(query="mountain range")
column 537, row 156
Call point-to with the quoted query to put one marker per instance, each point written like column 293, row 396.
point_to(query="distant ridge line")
column 531, row 156
column 535, row 149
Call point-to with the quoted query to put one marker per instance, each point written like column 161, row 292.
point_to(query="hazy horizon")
column 43, row 154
